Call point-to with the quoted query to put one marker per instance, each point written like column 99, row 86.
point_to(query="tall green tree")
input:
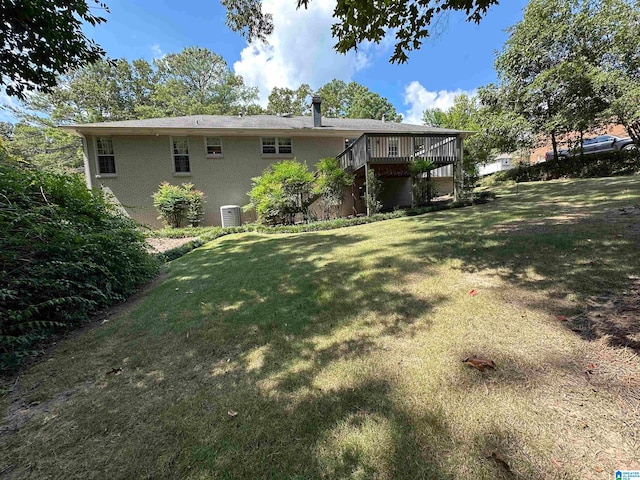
column 434, row 117
column 616, row 24
column 197, row 81
column 42, row 39
column 46, row 146
column 334, row 99
column 572, row 64
column 530, row 66
column 353, row 100
column 107, row 90
column 367, row 104
column 287, row 100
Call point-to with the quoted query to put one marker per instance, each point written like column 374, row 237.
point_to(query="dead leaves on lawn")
column 480, row 363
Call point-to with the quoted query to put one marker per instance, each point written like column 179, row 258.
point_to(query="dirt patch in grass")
column 614, row 318
column 161, row 245
column 19, row 413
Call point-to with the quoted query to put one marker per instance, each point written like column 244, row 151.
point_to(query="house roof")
column 254, row 125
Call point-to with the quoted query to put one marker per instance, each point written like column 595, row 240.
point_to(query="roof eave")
column 82, row 130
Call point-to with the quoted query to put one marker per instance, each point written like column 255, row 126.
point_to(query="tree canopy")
column 42, row 39
column 197, row 81
column 287, row 100
column 358, row 21
column 353, row 100
column 572, row 65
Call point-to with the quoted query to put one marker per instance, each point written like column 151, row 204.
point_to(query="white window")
column 106, row 158
column 180, row 148
column 392, row 147
column 214, row 146
column 284, row 146
column 276, row 146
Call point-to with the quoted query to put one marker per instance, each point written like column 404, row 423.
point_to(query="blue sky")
column 458, row 59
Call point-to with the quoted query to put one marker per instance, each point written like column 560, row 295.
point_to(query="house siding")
column 143, row 162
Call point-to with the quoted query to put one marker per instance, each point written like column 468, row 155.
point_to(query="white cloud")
column 300, row 50
column 157, row 51
column 419, row 99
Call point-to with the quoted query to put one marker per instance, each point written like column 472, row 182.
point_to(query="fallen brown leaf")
column 473, row 292
column 562, row 318
column 599, row 469
column 500, row 461
column 479, row 363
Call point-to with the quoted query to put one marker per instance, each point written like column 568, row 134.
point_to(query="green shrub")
column 283, row 191
column 373, row 189
column 330, row 185
column 595, row 165
column 65, row 253
column 179, row 205
column 423, row 189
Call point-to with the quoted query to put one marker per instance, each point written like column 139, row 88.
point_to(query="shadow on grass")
column 247, row 324
column 221, row 362
column 579, row 252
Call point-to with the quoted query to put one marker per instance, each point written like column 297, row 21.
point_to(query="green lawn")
column 341, row 351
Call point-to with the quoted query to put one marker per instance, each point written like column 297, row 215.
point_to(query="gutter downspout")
column 85, row 157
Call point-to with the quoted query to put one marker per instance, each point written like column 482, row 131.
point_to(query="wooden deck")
column 398, row 149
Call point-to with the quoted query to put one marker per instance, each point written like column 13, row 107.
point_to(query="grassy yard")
column 338, row 354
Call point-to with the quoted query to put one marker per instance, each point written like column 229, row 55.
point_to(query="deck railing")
column 398, row 148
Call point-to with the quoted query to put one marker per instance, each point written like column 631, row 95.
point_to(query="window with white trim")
column 392, row 146
column 285, row 146
column 180, row 154
column 277, row 146
column 214, row 146
column 105, row 156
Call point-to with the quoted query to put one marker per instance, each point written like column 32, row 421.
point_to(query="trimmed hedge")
column 65, row 254
column 596, row 165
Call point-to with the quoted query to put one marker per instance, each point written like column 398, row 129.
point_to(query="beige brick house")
column 220, row 155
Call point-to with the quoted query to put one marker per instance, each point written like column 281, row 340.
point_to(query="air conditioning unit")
column 231, row 215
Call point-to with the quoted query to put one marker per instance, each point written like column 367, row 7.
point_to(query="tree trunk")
column 554, row 142
column 581, row 146
column 633, row 130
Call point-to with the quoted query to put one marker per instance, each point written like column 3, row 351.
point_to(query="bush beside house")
column 65, row 253
column 179, row 205
column 286, row 190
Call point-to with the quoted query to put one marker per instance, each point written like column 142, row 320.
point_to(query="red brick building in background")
column 537, row 155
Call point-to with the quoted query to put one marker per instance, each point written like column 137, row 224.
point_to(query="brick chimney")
column 316, row 101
